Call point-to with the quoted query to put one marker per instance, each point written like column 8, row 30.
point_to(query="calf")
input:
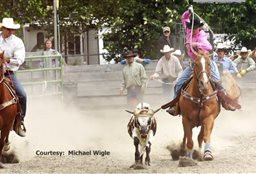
column 142, row 128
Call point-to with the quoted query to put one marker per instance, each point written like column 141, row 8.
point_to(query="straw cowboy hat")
column 9, row 23
column 166, row 49
column 244, row 50
column 220, row 46
column 166, row 29
column 129, row 54
column 177, row 53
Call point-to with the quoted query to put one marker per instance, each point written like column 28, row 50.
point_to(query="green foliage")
column 134, row 23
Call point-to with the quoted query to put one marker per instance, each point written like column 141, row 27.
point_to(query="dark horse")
column 199, row 106
column 8, row 108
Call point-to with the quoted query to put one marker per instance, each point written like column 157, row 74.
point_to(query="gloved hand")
column 123, row 62
column 190, row 9
column 238, row 75
column 147, row 61
column 243, row 72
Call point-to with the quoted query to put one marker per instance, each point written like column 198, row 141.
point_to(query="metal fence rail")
column 42, row 75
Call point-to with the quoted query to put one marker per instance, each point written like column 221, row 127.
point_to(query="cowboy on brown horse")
column 14, row 56
column 197, row 42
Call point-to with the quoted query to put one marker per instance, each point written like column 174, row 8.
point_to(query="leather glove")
column 190, row 9
column 243, row 72
column 146, row 61
column 238, row 75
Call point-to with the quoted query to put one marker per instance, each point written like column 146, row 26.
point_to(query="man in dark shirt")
column 165, row 39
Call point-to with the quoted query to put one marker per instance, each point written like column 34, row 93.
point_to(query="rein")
column 14, row 99
column 10, row 102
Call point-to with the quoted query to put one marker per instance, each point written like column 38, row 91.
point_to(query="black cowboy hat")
column 197, row 23
column 129, row 54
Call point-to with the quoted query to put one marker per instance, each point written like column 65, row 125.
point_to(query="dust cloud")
column 56, row 126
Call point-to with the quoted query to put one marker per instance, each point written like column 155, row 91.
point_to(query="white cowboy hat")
column 244, row 50
column 177, row 53
column 220, row 46
column 166, row 49
column 9, row 23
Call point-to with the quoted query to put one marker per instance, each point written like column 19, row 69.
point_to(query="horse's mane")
column 202, row 53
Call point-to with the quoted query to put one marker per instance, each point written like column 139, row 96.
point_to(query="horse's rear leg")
column 208, row 125
column 188, row 134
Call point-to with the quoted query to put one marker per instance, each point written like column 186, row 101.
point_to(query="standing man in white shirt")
column 14, row 54
column 168, row 68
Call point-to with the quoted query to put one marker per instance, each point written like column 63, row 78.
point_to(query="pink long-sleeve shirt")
column 200, row 38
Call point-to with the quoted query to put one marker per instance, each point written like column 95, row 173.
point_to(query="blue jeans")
column 20, row 93
column 215, row 76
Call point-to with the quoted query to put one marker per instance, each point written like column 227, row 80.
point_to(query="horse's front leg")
column 7, row 142
column 4, row 133
column 148, row 149
column 188, row 132
column 208, row 125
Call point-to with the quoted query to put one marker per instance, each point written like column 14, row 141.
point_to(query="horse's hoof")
column 1, row 165
column 175, row 155
column 9, row 157
column 208, row 156
column 197, row 155
column 185, row 161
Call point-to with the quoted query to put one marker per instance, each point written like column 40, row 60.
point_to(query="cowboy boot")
column 19, row 126
column 174, row 111
column 227, row 102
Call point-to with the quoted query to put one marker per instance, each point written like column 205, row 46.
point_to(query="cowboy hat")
column 197, row 23
column 166, row 49
column 129, row 54
column 244, row 50
column 220, row 46
column 177, row 53
column 166, row 29
column 9, row 23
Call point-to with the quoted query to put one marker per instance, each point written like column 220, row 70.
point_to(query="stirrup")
column 173, row 111
column 228, row 107
column 20, row 129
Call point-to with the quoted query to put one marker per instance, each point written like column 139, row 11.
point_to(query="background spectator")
column 134, row 80
column 244, row 63
column 165, row 39
column 168, row 68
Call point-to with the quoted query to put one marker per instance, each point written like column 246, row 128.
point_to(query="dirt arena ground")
column 55, row 127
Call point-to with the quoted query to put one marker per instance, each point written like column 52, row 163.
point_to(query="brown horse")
column 199, row 107
column 8, row 108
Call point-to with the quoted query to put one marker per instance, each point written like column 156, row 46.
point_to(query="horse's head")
column 202, row 72
column 143, row 118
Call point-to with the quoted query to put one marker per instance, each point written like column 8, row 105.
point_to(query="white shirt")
column 168, row 68
column 13, row 48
